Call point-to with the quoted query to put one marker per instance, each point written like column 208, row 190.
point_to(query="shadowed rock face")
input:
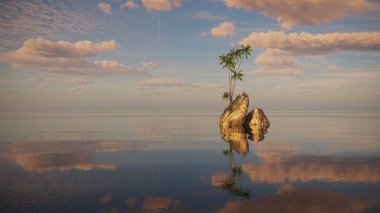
column 256, row 118
column 235, row 113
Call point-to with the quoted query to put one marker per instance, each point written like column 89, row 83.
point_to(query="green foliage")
column 232, row 61
column 226, row 152
column 225, row 95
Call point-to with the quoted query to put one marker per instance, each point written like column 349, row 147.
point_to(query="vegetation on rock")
column 232, row 62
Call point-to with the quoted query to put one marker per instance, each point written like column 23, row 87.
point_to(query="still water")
column 179, row 162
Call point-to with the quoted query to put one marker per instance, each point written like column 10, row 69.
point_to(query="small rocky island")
column 235, row 123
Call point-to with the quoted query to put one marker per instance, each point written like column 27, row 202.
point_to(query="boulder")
column 256, row 118
column 234, row 115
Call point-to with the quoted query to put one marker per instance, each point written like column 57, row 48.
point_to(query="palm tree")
column 229, row 61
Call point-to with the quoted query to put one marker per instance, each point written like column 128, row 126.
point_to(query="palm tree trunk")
column 230, row 86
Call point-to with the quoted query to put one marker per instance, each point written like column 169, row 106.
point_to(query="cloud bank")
column 279, row 58
column 314, row 44
column 301, row 12
column 66, row 58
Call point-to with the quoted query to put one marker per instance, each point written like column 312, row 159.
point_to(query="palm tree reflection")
column 237, row 141
column 230, row 184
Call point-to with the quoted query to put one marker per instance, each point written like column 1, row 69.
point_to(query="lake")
column 179, row 162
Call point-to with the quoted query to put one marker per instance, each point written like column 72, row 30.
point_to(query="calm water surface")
column 179, row 162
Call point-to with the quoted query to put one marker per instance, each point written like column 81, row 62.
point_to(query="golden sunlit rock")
column 234, row 115
column 255, row 118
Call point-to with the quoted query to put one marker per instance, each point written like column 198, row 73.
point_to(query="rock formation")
column 235, row 122
column 256, row 118
column 234, row 115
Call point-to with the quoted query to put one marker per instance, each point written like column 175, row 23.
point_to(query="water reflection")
column 257, row 133
column 288, row 166
column 321, row 168
column 299, row 200
column 238, row 136
column 64, row 155
column 229, row 181
column 284, row 162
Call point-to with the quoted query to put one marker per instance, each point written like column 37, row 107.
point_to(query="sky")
column 68, row 55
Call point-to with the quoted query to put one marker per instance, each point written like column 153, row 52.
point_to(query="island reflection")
column 237, row 141
column 285, row 164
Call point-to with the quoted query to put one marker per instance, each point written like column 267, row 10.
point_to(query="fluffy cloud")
column 224, row 29
column 66, row 58
column 105, row 8
column 277, row 62
column 277, row 58
column 149, row 64
column 161, row 5
column 314, row 44
column 302, row 12
column 282, row 49
column 130, row 4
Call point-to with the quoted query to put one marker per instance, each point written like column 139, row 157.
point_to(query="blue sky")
column 163, row 54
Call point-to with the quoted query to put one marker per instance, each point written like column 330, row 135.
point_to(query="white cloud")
column 277, row 58
column 277, row 62
column 130, row 4
column 314, row 44
column 303, row 12
column 149, row 64
column 105, row 8
column 66, row 58
column 224, row 29
column 157, row 5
